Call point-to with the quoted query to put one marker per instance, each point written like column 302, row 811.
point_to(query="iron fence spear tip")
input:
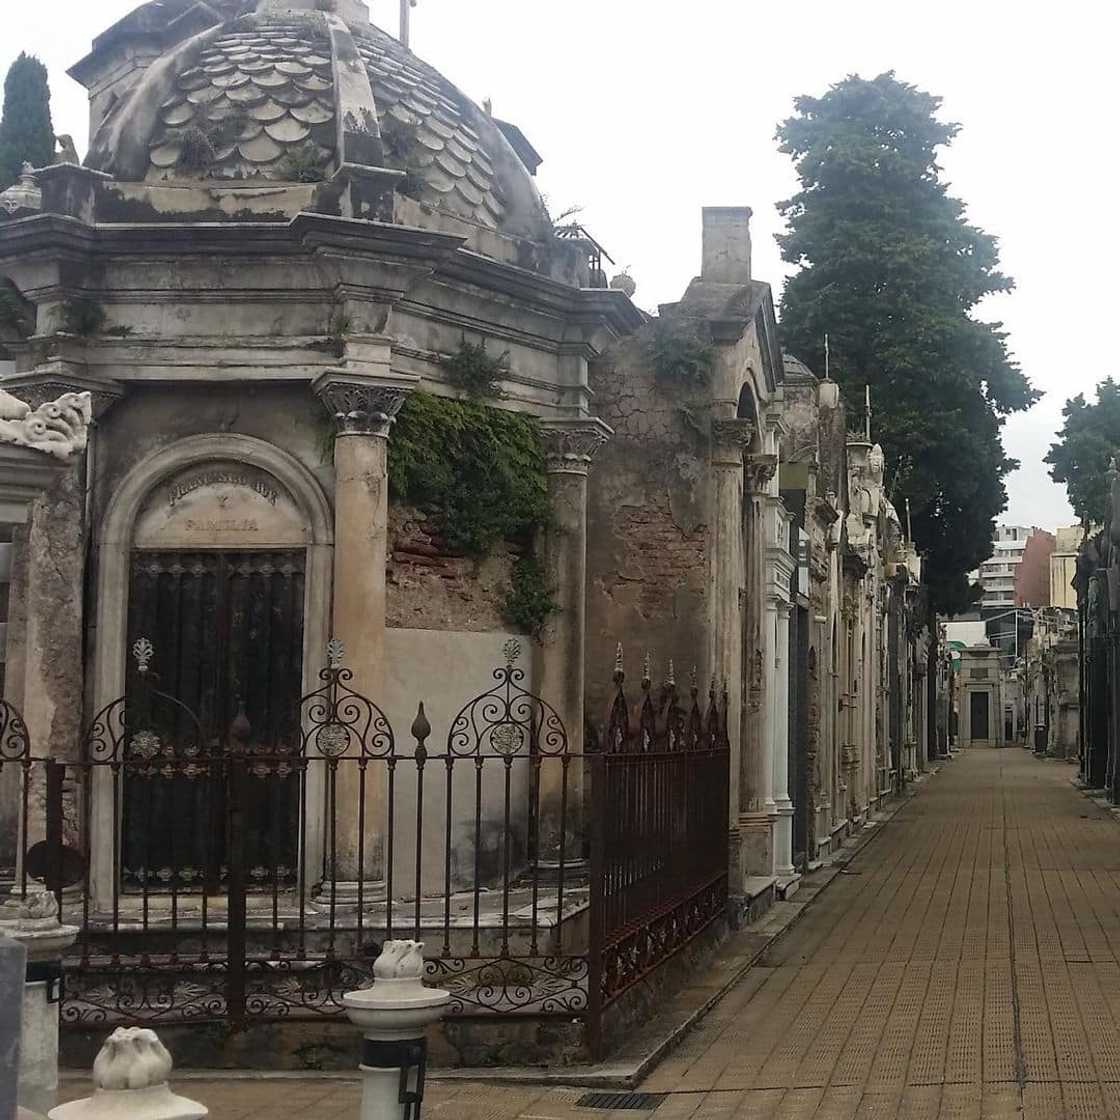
column 421, row 728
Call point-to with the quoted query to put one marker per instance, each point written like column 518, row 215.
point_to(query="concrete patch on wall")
column 446, row 670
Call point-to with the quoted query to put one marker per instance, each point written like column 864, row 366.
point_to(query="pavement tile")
column 964, row 966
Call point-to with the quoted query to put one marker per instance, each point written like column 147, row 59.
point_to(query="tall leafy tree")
column 1089, row 438
column 890, row 270
column 26, row 132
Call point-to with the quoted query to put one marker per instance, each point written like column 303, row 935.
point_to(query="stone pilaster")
column 756, row 804
column 783, row 805
column 570, row 446
column 363, row 410
column 726, row 579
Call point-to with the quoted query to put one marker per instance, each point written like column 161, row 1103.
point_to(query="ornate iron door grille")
column 229, row 630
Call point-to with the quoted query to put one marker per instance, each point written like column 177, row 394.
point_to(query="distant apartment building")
column 1018, row 572
column 1063, row 565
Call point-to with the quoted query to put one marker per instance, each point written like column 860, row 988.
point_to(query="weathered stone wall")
column 647, row 509
column 150, row 418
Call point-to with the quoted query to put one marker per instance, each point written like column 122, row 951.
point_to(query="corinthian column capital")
column 360, row 405
column 731, row 436
column 760, row 470
column 571, row 444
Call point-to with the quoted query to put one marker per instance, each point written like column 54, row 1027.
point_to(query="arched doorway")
column 217, row 551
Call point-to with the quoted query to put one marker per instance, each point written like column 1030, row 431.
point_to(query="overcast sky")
column 647, row 110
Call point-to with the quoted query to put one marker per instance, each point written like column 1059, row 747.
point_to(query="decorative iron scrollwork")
column 336, row 720
column 127, row 726
column 15, row 741
column 507, row 718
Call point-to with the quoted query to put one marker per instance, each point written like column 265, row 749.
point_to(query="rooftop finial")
column 826, row 359
column 867, row 413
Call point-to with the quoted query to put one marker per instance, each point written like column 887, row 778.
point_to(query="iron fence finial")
column 421, row 728
column 143, row 651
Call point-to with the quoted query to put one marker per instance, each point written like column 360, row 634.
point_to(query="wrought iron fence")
column 659, row 830
column 254, row 875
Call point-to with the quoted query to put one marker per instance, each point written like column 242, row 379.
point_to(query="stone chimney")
column 727, row 245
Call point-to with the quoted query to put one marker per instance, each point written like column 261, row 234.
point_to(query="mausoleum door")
column 227, row 627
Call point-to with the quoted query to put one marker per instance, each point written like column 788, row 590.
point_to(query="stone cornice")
column 570, row 445
column 335, row 241
column 361, row 405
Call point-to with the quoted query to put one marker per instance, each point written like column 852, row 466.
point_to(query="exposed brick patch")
column 431, row 586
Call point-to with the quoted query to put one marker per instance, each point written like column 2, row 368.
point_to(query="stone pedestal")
column 363, row 410
column 130, row 1076
column 33, row 922
column 570, row 446
column 13, row 965
column 394, row 1016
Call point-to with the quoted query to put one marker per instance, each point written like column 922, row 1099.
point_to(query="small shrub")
column 529, row 602
column 83, row 317
column 199, row 144
column 411, row 186
column 679, row 353
column 15, row 312
column 476, row 372
column 303, row 165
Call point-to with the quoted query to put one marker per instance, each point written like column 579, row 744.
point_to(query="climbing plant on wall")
column 480, row 471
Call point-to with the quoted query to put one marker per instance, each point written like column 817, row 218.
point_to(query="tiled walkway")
column 965, row 965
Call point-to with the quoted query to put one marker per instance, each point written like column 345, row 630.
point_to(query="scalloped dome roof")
column 256, row 97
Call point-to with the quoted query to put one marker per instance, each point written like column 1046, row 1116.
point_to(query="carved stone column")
column 570, row 446
column 363, row 410
column 727, row 573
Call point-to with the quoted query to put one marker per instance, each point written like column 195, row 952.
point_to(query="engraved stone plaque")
column 220, row 505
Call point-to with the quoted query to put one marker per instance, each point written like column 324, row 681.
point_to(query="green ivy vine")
column 481, row 472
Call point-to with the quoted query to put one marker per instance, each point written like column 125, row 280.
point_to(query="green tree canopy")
column 890, row 270
column 1089, row 437
column 26, row 132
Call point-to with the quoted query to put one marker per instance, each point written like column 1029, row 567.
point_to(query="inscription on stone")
column 220, row 505
column 179, row 490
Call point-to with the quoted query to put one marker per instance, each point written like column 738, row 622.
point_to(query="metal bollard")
column 394, row 1016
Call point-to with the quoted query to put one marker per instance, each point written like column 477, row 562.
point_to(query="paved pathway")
column 964, row 966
